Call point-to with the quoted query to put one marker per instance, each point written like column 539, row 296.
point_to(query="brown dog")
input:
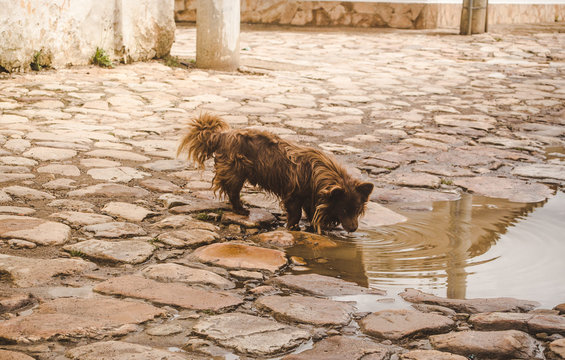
column 302, row 177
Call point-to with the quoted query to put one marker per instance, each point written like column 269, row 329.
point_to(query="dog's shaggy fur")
column 302, row 177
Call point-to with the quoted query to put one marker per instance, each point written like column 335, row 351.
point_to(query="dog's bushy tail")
column 201, row 140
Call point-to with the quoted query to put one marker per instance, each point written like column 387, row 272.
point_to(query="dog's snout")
column 349, row 226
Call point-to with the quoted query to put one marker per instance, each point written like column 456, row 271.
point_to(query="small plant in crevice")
column 101, row 58
column 172, row 61
column 35, row 65
column 77, row 253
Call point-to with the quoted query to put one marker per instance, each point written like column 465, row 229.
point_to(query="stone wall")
column 67, row 32
column 375, row 14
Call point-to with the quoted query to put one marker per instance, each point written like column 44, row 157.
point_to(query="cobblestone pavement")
column 112, row 248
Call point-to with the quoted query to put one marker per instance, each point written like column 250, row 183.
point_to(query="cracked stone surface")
column 126, row 251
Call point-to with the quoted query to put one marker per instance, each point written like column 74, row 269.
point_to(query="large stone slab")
column 285, row 238
column 115, row 230
column 541, row 171
column 398, row 324
column 377, row 215
column 471, row 306
column 26, row 272
column 174, row 294
column 412, row 195
column 240, row 256
column 39, row 231
column 509, row 344
column 111, row 191
column 413, row 179
column 185, row 222
column 59, row 169
column 49, row 154
column 341, row 347
column 430, row 355
column 184, row 274
column 198, row 205
column 187, row 238
column 533, row 323
column 119, row 350
column 65, row 318
column 117, row 154
column 250, row 334
column 320, row 285
column 255, row 218
column 306, row 309
column 512, row 189
column 126, row 251
column 159, row 185
column 122, row 174
column 127, row 211
column 13, row 355
column 77, row 218
column 26, row 193
column 557, row 347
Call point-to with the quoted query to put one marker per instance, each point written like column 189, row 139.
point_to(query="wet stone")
column 246, row 274
column 127, row 211
column 184, row 274
column 187, row 238
column 240, row 256
column 110, row 191
column 256, row 218
column 471, row 306
column 77, row 219
column 541, row 171
column 557, row 347
column 430, row 355
column 509, row 344
column 398, row 324
column 58, row 169
column 39, row 231
column 115, row 230
column 250, row 334
column 377, row 215
column 533, row 323
column 119, row 350
column 511, row 189
column 26, row 193
column 306, row 309
column 412, row 195
column 413, row 179
column 341, row 347
column 285, row 238
column 165, row 330
column 26, row 272
column 163, row 186
column 74, row 318
column 126, row 251
column 320, row 285
column 174, row 294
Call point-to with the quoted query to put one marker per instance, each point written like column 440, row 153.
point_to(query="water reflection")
column 473, row 247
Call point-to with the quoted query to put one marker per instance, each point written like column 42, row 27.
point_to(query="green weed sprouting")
column 101, row 58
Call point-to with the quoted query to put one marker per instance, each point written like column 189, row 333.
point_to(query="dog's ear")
column 365, row 189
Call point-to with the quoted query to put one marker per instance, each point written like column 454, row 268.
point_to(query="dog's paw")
column 241, row 211
column 295, row 227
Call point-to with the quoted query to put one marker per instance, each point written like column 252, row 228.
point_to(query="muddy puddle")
column 472, row 247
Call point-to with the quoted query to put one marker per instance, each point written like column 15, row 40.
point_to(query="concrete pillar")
column 217, row 34
column 479, row 13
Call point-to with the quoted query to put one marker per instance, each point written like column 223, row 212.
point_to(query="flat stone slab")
column 122, row 174
column 377, row 215
column 120, row 350
column 49, row 154
column 509, row 344
column 430, row 355
column 26, row 272
column 320, row 285
column 115, row 230
column 341, row 347
column 77, row 218
column 512, row 189
column 126, row 251
column 174, row 294
column 412, row 195
column 285, row 238
column 27, row 193
column 413, row 179
column 111, row 191
column 240, row 256
column 250, row 334
column 163, row 186
column 39, row 231
column 127, row 211
column 4, row 178
column 13, row 355
column 65, row 318
column 199, row 205
column 256, row 218
column 532, row 323
column 183, row 274
column 59, row 169
column 117, row 154
column 184, row 222
column 16, row 210
column 188, row 238
column 306, row 309
column 541, row 171
column 471, row 306
column 398, row 324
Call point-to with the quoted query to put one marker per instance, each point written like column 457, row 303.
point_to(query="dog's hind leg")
column 232, row 187
column 293, row 209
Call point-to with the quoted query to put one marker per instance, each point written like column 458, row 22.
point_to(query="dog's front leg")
column 293, row 209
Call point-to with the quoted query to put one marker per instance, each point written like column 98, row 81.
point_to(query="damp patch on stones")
column 320, row 285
